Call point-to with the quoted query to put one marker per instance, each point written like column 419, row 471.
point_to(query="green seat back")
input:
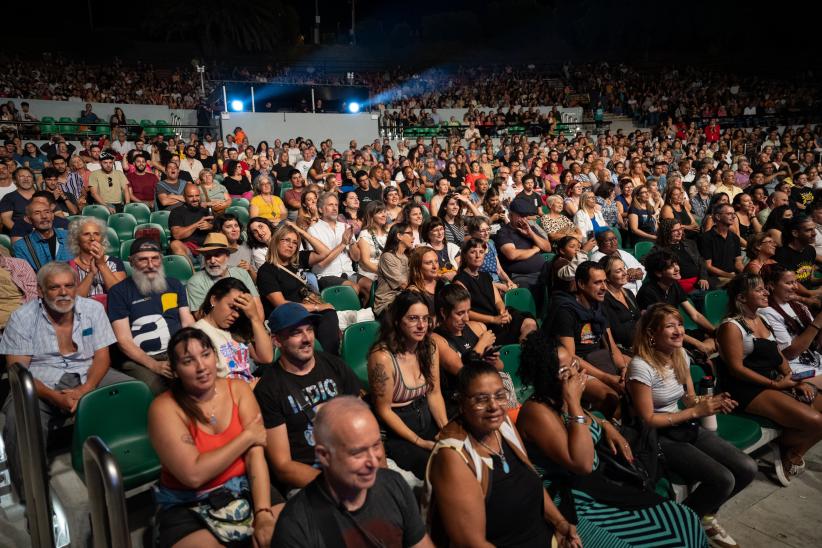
column 687, row 322
column 425, row 213
column 161, row 218
column 178, row 267
column 240, row 212
column 123, row 224
column 125, row 249
column 47, row 128
column 48, row 119
column 113, row 242
column 128, row 267
column 118, row 414
column 341, row 297
column 284, row 187
column 373, row 294
column 716, row 305
column 521, row 299
column 146, row 123
column 96, row 210
column 356, row 343
column 549, row 256
column 510, row 356
column 242, row 202
column 641, row 249
column 429, row 193
column 618, row 235
column 5, row 241
column 159, row 228
column 140, row 212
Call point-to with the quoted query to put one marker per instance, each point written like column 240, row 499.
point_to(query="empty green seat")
column 356, row 344
column 641, row 249
column 96, row 210
column 140, row 211
column 118, row 414
column 716, row 305
column 161, row 218
column 240, row 212
column 123, row 224
column 521, row 299
column 242, row 202
column 341, row 297
column 177, row 267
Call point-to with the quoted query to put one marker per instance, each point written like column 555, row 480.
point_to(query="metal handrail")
column 106, row 493
column 32, row 456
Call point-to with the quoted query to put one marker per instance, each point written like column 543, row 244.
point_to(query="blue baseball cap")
column 288, row 315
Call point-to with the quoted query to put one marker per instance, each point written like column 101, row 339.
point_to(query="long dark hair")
column 218, row 291
column 253, row 242
column 539, row 368
column 776, row 219
column 181, row 397
column 391, row 335
column 392, row 241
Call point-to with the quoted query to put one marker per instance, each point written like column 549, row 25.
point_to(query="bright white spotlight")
column 353, row 107
column 237, row 105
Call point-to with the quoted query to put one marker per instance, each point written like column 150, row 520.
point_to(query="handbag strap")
column 293, row 275
column 27, row 241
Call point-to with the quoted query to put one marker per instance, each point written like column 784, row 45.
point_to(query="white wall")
column 340, row 128
column 72, row 109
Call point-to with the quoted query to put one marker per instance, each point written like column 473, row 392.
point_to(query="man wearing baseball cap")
column 291, row 390
column 215, row 252
column 145, row 310
column 520, row 249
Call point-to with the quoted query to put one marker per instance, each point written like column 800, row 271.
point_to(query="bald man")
column 353, row 502
column 189, row 223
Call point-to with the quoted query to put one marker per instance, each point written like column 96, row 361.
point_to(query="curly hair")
column 73, row 239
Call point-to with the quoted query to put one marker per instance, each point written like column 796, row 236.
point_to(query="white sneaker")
column 782, row 476
column 717, row 536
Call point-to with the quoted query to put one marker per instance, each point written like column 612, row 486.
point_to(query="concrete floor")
column 764, row 515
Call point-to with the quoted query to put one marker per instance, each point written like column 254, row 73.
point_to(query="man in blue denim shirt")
column 63, row 340
column 45, row 243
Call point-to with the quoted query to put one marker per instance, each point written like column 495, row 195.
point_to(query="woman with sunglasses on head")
column 754, row 370
column 481, row 488
column 403, row 375
column 564, row 440
column 658, row 378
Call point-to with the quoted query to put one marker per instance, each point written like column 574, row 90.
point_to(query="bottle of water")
column 706, row 386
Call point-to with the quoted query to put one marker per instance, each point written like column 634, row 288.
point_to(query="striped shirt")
column 30, row 332
column 665, row 389
column 74, row 185
column 22, row 275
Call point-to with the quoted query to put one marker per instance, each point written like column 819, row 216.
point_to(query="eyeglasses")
column 417, row 319
column 481, row 401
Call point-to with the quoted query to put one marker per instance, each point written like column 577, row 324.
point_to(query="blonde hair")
column 649, row 325
column 272, row 256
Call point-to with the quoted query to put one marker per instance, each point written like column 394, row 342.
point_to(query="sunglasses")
column 110, row 182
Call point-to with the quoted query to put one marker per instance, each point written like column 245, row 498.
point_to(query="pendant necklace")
column 500, row 454
column 212, row 420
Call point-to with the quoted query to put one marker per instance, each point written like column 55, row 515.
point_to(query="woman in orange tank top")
column 209, row 437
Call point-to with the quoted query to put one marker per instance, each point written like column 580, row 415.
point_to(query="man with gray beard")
column 145, row 310
column 215, row 252
column 63, row 340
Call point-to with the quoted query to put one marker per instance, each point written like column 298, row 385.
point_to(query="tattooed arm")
column 381, row 381
column 170, row 434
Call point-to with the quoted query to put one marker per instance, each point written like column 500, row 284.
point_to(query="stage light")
column 353, row 107
column 237, row 105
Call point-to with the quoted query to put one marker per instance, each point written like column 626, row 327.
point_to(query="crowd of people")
column 254, row 401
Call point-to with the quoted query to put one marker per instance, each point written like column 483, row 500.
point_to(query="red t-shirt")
column 142, row 185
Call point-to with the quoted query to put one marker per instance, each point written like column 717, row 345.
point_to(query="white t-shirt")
column 665, row 389
column 806, row 360
column 233, row 356
column 630, row 262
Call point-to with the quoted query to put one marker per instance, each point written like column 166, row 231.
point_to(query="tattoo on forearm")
column 377, row 379
column 186, row 438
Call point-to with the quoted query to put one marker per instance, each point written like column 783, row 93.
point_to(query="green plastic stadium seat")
column 549, row 256
column 510, row 354
column 740, row 431
column 140, row 211
column 123, row 224
column 125, row 249
column 96, row 210
column 240, row 212
column 118, row 414
column 341, row 297
column 641, row 249
column 716, row 305
column 5, row 241
column 687, row 322
column 178, row 267
column 284, row 187
column 242, row 202
column 356, row 343
column 521, row 299
column 113, row 242
column 161, row 218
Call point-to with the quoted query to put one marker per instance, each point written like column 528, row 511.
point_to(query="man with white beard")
column 215, row 252
column 63, row 340
column 145, row 310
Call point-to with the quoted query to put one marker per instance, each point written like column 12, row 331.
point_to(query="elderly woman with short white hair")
column 555, row 224
column 96, row 271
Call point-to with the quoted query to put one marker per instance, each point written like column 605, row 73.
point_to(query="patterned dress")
column 665, row 525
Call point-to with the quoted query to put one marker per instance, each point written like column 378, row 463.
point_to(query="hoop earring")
column 652, row 340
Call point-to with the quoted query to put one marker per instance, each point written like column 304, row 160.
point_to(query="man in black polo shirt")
column 721, row 248
column 662, row 286
column 189, row 224
column 797, row 252
column 291, row 390
column 520, row 249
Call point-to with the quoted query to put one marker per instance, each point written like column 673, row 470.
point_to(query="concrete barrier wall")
column 57, row 109
column 340, row 128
